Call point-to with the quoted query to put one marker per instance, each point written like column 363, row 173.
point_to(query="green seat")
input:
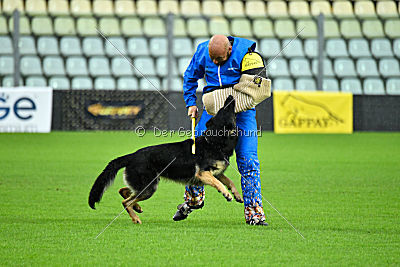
column 138, row 46
column 127, row 83
column 366, row 67
column 24, row 25
column 197, row 27
column 53, row 66
column 393, row 86
column 179, row 27
column 331, row 29
column 36, row 81
column 241, row 28
column 104, row 83
column 93, row 46
column 47, row 45
column 3, row 26
column 350, row 28
column 344, row 67
column 99, row 66
column 59, row 83
column 263, row 28
column 121, row 67
column 86, row 26
column 70, row 46
column 330, row 85
column 131, row 27
column 373, row 86
column 381, row 48
column 389, row 67
column 110, row 26
column 392, row 28
column 154, row 27
column 119, row 43
column 30, row 65
column 42, row 26
column 6, row 65
column 373, row 28
column 219, row 26
column 351, row 85
column 64, row 26
column 309, row 27
column 270, row 47
column 284, row 28
column 282, row 84
column 6, row 46
column 359, row 48
column 82, row 83
column 305, row 84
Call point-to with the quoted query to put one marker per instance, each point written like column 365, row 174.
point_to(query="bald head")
column 219, row 49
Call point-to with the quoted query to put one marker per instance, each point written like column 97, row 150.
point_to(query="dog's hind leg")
column 125, row 192
column 231, row 186
column 207, row 178
column 128, row 203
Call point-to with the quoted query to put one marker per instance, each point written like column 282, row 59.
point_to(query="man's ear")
column 209, row 123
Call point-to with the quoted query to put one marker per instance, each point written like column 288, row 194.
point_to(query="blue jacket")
column 216, row 76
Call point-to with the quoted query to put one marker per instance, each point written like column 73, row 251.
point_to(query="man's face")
column 221, row 58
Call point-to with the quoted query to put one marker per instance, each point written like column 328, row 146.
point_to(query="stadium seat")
column 179, row 29
column 262, row 28
column 35, row 7
column 104, row 83
column 284, row 28
column 336, row 48
column 393, row 86
column 283, row 84
column 364, row 9
column 86, row 26
column 27, row 45
column 121, row 67
column 389, row 67
column 30, row 65
column 219, row 26
column 392, row 28
column 342, row 9
column 110, row 26
column 137, row 46
column 146, row 7
column 331, row 29
column 124, row 8
column 344, row 67
column 350, row 28
column 6, row 65
column 241, row 28
column 183, row 63
column 308, row 28
column 76, row 66
column 82, row 83
column 182, row 47
column 366, row 67
column 176, row 84
column 168, row 6
column 131, row 27
column 351, row 85
column 154, row 27
column 386, row 9
column 3, row 26
column 59, row 83
column 197, row 27
column 6, row 45
column 276, row 9
column 58, row 7
column 373, row 28
column 330, row 85
column 10, row 5
column 305, row 84
column 299, row 9
column 99, row 66
column 144, row 66
column 381, row 48
column 42, row 26
column 190, row 8
column 53, row 66
column 162, row 66
column 64, row 26
column 373, row 86
column 80, row 7
column 158, row 46
column 70, row 46
column 233, row 9
column 278, row 67
column 359, row 48
column 198, row 41
column 327, row 65
column 103, row 8
column 35, row 81
column 318, row 7
column 127, row 83
column 270, row 47
column 300, row 67
column 150, row 84
column 119, row 43
column 396, row 47
column 24, row 25
column 93, row 46
column 311, row 48
column 212, row 8
column 255, row 9
column 8, row 81
column 292, row 48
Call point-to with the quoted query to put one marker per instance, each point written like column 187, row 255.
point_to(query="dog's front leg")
column 207, row 178
column 231, row 186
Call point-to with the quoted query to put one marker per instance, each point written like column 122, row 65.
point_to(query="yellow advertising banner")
column 313, row 112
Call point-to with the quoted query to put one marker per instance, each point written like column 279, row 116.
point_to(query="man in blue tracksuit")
column 219, row 61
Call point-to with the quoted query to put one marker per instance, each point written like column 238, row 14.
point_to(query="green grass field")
column 342, row 192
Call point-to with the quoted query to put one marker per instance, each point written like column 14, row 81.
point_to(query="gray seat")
column 59, row 83
column 158, row 46
column 70, row 46
column 311, row 48
column 396, row 47
column 8, row 81
column 305, row 84
column 359, row 48
column 389, row 67
column 53, row 66
column 127, row 83
column 93, row 46
column 150, row 84
column 76, row 66
column 6, row 47
column 373, row 86
column 137, row 46
column 27, row 45
column 104, row 83
column 336, row 48
column 285, row 84
column 176, row 85
column 183, row 63
column 393, row 86
column 270, row 47
column 119, row 43
column 30, row 65
column 278, row 67
column 162, row 66
column 330, row 85
column 293, row 48
column 82, row 83
column 6, row 65
column 182, row 47
column 36, row 81
column 300, row 67
column 48, row 45
column 99, row 66
column 344, row 67
column 328, row 70
column 351, row 85
column 366, row 67
column 121, row 67
column 144, row 66
column 381, row 48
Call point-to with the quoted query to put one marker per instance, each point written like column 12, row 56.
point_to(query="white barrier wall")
column 26, row 109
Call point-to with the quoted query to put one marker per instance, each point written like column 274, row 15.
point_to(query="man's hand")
column 192, row 111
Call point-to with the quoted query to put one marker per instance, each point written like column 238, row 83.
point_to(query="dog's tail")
column 106, row 178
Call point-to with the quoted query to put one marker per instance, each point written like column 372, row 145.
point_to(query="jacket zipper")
column 219, row 76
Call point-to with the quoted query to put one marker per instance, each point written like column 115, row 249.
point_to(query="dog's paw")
column 228, row 197
column 137, row 221
column 238, row 198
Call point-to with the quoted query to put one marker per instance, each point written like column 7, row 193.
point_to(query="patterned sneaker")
column 254, row 222
column 184, row 210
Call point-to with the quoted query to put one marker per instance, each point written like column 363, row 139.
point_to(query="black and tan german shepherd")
column 175, row 161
